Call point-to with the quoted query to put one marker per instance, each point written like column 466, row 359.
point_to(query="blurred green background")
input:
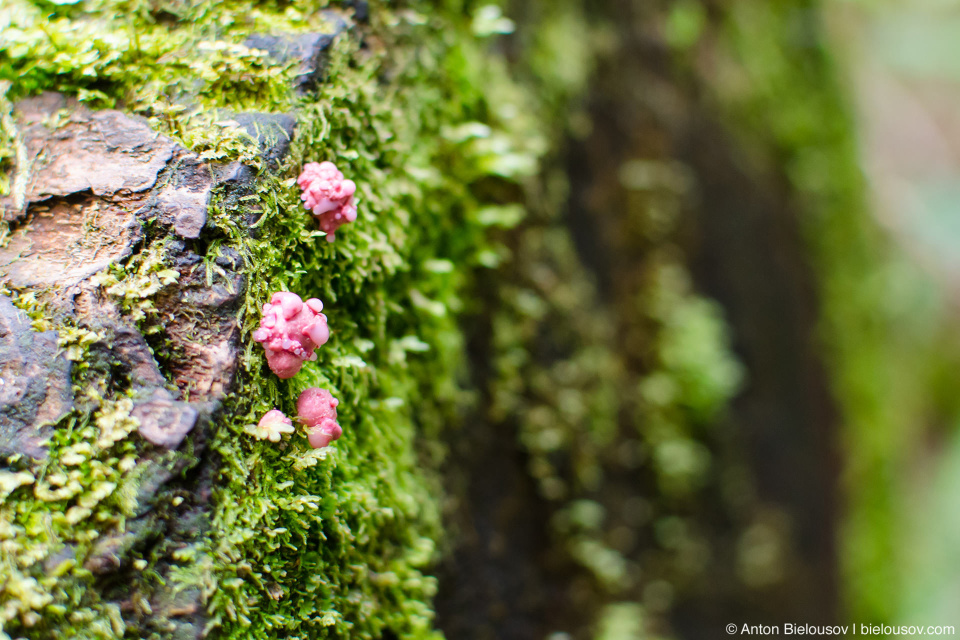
column 900, row 66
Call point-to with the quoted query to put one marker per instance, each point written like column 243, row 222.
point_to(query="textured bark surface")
column 34, row 383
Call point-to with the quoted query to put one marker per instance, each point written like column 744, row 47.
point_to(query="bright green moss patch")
column 57, row 513
column 111, row 52
column 352, row 528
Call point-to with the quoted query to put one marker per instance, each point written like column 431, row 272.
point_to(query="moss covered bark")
column 531, row 343
column 289, row 542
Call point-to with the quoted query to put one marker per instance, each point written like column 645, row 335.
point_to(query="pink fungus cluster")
column 317, row 411
column 290, row 330
column 328, row 196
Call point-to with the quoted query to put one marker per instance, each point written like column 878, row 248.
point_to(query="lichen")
column 133, row 286
column 53, row 518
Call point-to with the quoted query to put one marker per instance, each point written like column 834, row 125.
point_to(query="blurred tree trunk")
column 662, row 184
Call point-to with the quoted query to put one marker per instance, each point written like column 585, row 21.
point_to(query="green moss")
column 56, row 511
column 301, row 543
column 355, row 528
column 602, row 403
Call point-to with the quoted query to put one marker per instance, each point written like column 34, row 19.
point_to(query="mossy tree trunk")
column 572, row 327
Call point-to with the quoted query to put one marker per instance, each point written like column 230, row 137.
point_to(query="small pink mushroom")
column 273, row 425
column 328, row 196
column 290, row 330
column 317, row 410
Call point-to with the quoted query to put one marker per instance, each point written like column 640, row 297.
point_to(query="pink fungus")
column 327, row 195
column 290, row 330
column 272, row 426
column 317, row 410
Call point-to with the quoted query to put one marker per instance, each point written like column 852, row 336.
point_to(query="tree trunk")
column 572, row 328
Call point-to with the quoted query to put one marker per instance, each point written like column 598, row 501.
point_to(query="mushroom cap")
column 291, row 330
column 324, row 434
column 328, row 195
column 283, row 363
column 274, row 415
column 316, row 405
